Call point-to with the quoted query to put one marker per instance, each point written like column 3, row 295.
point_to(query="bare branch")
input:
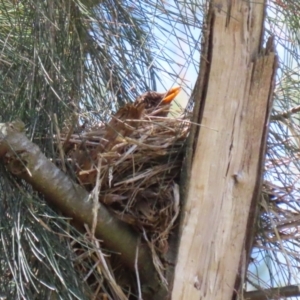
column 274, row 293
column 286, row 114
column 25, row 160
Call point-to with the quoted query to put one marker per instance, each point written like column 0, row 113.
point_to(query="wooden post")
column 226, row 168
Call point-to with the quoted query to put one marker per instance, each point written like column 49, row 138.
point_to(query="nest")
column 137, row 175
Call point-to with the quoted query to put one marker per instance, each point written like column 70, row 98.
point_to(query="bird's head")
column 170, row 95
column 154, row 100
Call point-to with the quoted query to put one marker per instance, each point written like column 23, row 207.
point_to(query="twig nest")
column 138, row 174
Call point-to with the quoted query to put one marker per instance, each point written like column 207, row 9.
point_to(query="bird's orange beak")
column 171, row 94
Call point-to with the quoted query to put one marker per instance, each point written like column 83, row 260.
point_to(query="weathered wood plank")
column 227, row 158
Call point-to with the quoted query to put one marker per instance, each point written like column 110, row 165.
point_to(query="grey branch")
column 29, row 163
column 286, row 113
column 274, row 293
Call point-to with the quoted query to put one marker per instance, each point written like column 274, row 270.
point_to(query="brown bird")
column 122, row 124
column 158, row 104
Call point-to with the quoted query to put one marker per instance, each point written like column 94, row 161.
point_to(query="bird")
column 158, row 104
column 124, row 121
column 122, row 124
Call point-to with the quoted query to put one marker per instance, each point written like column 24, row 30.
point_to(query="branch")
column 285, row 114
column 287, row 291
column 25, row 160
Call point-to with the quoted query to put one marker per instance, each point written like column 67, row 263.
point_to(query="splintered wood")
column 227, row 161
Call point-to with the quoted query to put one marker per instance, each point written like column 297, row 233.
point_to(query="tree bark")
column 235, row 96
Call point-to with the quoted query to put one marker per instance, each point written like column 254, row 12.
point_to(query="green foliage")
column 78, row 61
column 60, row 57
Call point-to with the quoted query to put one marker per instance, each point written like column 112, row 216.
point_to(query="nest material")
column 136, row 174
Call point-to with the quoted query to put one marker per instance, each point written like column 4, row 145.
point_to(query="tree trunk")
column 232, row 107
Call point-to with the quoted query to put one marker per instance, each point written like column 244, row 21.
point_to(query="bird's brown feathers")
column 122, row 124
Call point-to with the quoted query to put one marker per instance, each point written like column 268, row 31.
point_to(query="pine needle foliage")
column 65, row 63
